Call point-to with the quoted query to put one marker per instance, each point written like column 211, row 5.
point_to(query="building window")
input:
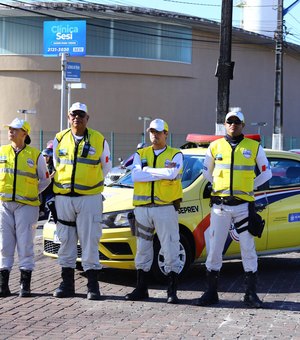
column 21, row 35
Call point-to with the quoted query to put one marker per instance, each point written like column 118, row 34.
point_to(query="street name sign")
column 73, row 72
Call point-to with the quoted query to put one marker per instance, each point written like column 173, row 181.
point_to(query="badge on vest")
column 62, row 152
column 3, row 159
column 219, row 157
column 30, row 162
column 247, row 153
column 92, row 151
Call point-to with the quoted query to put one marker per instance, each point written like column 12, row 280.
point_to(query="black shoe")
column 208, row 299
column 24, row 293
column 173, row 299
column 4, row 288
column 172, row 288
column 93, row 285
column 141, row 290
column 252, row 300
column 64, row 292
column 5, row 292
column 25, row 281
column 93, row 295
column 67, row 286
column 138, row 294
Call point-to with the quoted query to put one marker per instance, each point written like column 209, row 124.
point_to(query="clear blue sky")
column 211, row 9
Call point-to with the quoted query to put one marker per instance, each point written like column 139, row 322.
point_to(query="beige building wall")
column 119, row 90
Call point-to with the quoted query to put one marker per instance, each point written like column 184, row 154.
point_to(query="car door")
column 283, row 198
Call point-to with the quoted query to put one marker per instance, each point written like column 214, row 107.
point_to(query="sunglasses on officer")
column 235, row 122
column 78, row 113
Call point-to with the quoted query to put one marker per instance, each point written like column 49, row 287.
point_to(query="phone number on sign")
column 58, row 49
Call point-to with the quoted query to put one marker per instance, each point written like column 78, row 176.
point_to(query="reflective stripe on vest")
column 145, row 198
column 19, row 172
column 80, row 160
column 79, row 187
column 232, row 193
column 8, row 197
column 235, row 167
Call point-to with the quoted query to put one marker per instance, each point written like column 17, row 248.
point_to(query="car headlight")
column 117, row 219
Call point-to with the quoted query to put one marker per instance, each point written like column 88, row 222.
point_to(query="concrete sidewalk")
column 45, row 317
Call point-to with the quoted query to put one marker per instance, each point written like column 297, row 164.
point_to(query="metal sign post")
column 145, row 119
column 75, row 86
column 68, row 88
column 63, row 90
column 25, row 112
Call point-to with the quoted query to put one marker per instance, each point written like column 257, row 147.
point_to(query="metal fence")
column 123, row 145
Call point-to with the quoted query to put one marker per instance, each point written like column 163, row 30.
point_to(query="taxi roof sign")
column 196, row 140
column 206, row 139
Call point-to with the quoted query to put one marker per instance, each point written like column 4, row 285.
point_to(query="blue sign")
column 295, row 217
column 65, row 37
column 73, row 71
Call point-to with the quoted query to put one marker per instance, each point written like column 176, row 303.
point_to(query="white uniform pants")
column 220, row 221
column 164, row 220
column 17, row 229
column 86, row 211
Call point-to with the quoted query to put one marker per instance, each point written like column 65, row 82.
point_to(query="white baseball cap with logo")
column 158, row 125
column 237, row 114
column 19, row 124
column 78, row 107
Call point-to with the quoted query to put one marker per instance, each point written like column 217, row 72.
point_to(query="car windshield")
column 192, row 169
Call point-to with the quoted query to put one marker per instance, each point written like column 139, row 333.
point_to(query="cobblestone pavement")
column 45, row 317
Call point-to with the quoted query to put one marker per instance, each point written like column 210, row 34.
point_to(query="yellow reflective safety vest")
column 18, row 175
column 234, row 170
column 160, row 192
column 78, row 165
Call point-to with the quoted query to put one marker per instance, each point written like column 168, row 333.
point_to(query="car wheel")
column 158, row 265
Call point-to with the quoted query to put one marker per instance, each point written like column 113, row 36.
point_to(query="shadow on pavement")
column 276, row 275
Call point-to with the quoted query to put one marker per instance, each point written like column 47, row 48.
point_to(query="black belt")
column 152, row 205
column 227, row 200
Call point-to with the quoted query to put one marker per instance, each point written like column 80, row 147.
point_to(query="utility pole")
column 63, row 111
column 277, row 138
column 225, row 66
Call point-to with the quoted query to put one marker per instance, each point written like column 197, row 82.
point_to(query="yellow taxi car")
column 279, row 198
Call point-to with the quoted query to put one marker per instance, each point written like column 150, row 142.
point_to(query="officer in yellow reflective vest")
column 229, row 165
column 157, row 194
column 23, row 175
column 81, row 159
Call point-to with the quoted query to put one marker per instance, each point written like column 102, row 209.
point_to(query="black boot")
column 251, row 299
column 172, row 289
column 67, row 286
column 25, row 281
column 210, row 297
column 141, row 290
column 93, row 285
column 4, row 278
